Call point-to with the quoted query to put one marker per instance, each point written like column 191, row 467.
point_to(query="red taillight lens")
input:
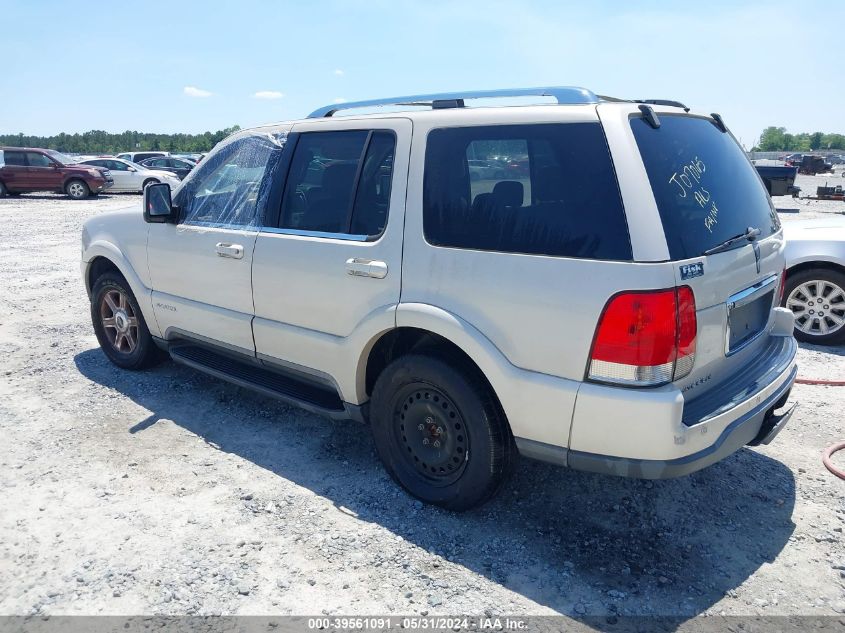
column 782, row 288
column 645, row 338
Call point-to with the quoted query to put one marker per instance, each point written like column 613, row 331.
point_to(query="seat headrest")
column 509, row 192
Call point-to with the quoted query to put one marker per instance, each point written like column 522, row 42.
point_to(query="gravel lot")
column 167, row 492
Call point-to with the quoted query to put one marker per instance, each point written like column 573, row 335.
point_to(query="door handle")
column 235, row 251
column 366, row 268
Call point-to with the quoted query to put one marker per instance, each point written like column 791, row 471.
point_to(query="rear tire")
column 77, row 189
column 119, row 325
column 817, row 299
column 440, row 431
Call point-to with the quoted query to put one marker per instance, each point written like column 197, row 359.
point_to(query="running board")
column 252, row 374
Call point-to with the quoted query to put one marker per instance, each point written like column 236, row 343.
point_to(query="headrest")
column 509, row 192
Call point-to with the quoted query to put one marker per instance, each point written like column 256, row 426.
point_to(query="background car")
column 179, row 166
column 130, row 176
column 29, row 169
column 815, row 279
column 137, row 157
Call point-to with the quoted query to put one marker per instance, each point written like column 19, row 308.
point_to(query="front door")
column 43, row 172
column 332, row 260
column 201, row 267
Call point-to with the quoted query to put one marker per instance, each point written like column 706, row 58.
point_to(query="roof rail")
column 563, row 94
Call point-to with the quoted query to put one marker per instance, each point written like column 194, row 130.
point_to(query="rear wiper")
column 750, row 234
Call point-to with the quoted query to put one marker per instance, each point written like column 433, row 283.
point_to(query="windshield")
column 706, row 190
column 62, row 158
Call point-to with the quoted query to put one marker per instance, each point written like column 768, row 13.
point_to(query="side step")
column 307, row 394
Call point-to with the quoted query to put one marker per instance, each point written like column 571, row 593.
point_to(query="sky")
column 192, row 66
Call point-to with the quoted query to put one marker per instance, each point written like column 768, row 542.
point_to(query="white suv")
column 602, row 293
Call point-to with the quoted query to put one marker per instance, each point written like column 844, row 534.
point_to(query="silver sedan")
column 815, row 279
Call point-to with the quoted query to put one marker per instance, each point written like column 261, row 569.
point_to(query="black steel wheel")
column 440, row 431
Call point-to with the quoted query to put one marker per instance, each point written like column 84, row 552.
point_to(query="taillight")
column 782, row 288
column 645, row 338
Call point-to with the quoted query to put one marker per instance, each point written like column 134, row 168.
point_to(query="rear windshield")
column 706, row 190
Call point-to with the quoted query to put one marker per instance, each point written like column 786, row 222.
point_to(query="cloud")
column 339, row 100
column 268, row 94
column 338, row 72
column 193, row 91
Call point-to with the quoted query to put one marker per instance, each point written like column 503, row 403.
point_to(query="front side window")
column 116, row 165
column 540, row 189
column 705, row 188
column 339, row 182
column 231, row 188
column 38, row 160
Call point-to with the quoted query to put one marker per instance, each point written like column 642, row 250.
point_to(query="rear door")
column 14, row 173
column 706, row 192
column 332, row 260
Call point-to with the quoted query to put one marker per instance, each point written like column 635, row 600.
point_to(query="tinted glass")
column 545, row 189
column 705, row 188
column 231, row 188
column 38, row 160
column 320, row 187
column 372, row 196
column 14, row 158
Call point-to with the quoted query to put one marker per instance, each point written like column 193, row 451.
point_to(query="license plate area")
column 748, row 314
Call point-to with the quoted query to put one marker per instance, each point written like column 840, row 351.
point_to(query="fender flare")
column 143, row 294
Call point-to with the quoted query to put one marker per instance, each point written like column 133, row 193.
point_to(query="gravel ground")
column 167, row 492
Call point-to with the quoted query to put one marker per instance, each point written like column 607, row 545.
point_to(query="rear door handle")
column 366, row 268
column 225, row 249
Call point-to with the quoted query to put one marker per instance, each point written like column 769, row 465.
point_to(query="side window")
column 16, row 159
column 38, row 160
column 231, row 188
column 339, row 182
column 96, row 163
column 115, row 165
column 543, row 189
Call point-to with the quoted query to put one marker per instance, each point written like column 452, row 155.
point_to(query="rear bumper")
column 758, row 426
column 656, row 433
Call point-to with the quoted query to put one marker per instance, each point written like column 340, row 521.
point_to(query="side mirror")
column 131, row 169
column 158, row 205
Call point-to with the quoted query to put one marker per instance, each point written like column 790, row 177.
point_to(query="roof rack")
column 563, row 94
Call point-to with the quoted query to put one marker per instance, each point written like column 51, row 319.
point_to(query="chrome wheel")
column 120, row 322
column 76, row 190
column 818, row 306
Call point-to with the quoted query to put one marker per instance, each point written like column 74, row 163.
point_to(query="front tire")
column 817, row 299
column 77, row 189
column 119, row 325
column 440, row 431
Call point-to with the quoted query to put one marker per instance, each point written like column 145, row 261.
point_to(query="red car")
column 27, row 169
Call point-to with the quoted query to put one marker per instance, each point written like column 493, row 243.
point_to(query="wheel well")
column 405, row 340
column 815, row 265
column 148, row 181
column 98, row 267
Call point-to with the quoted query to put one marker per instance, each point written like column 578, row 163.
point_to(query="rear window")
column 705, row 188
column 543, row 189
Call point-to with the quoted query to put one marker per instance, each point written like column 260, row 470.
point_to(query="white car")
column 131, row 176
column 612, row 308
column 815, row 279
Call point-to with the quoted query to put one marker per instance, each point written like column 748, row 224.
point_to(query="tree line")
column 100, row 142
column 774, row 139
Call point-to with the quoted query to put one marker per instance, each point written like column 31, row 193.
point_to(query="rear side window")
column 15, row 158
column 545, row 189
column 339, row 182
column 705, row 188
